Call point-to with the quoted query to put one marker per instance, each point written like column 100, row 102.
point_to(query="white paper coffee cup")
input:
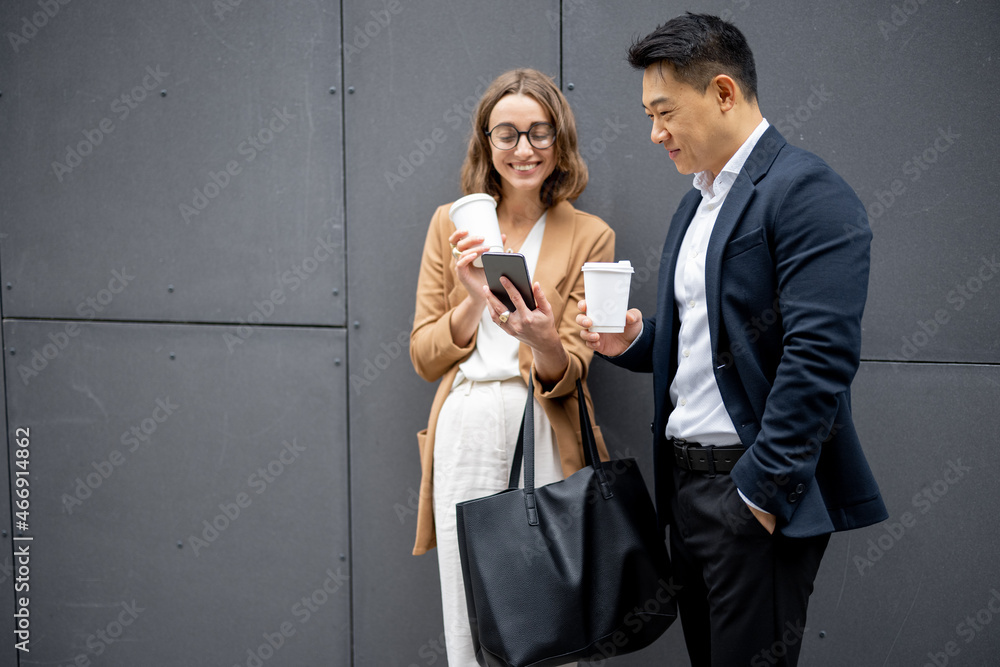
column 606, row 286
column 477, row 214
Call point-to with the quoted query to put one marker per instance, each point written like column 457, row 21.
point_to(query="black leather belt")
column 705, row 458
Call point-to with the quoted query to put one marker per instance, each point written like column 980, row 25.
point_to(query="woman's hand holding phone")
column 536, row 328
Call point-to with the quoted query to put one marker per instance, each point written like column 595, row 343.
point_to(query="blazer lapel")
column 663, row 344
column 675, row 235
column 553, row 267
column 730, row 214
column 754, row 169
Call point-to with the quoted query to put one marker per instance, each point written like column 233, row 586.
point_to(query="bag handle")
column 525, row 450
column 590, row 443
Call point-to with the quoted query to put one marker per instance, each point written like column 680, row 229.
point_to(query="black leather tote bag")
column 574, row 570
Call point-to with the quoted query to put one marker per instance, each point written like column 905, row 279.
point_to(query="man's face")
column 686, row 121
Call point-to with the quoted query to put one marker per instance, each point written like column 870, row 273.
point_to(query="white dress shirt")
column 699, row 415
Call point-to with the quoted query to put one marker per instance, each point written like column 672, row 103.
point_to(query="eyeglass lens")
column 505, row 136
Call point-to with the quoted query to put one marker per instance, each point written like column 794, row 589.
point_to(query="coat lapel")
column 730, row 214
column 552, row 268
column 755, row 168
column 675, row 236
column 663, row 343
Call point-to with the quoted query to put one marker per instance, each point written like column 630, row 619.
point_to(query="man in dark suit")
column 753, row 347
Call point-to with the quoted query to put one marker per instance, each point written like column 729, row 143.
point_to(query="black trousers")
column 744, row 591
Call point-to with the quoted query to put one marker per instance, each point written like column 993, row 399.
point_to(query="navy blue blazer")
column 787, row 277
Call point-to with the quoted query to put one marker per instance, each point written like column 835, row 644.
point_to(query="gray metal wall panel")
column 402, row 120
column 893, row 593
column 247, row 91
column 898, row 94
column 140, row 435
column 8, row 570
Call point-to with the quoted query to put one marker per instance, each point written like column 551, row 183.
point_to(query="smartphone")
column 512, row 266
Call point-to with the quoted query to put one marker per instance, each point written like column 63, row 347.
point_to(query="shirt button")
column 684, row 401
column 687, row 353
column 691, row 303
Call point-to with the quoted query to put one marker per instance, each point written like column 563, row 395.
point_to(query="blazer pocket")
column 746, row 242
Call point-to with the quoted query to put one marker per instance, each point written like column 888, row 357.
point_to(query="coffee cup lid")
column 622, row 266
column 476, row 196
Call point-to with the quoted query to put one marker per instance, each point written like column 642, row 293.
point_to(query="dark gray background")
column 280, row 312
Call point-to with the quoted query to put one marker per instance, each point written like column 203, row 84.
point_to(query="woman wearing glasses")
column 523, row 151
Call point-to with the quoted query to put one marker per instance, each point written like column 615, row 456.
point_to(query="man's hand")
column 609, row 344
column 769, row 521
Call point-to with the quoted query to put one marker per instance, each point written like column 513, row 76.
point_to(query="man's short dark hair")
column 699, row 47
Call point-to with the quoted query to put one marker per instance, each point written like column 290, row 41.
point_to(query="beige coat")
column 571, row 238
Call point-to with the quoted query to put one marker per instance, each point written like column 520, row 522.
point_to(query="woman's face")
column 523, row 167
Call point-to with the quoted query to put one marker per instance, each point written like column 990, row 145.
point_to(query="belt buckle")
column 685, row 452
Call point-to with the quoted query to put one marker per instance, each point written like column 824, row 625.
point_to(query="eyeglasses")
column 505, row 136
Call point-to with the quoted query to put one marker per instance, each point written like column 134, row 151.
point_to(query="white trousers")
column 473, row 451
